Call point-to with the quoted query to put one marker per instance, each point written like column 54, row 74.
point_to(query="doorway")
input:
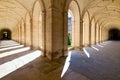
column 114, row 34
column 5, row 34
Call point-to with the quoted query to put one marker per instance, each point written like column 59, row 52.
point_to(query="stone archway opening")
column 37, row 30
column 73, row 28
column 114, row 34
column 70, row 24
column 5, row 34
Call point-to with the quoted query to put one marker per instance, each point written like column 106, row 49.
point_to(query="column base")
column 56, row 55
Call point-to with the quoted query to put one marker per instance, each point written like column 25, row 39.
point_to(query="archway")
column 70, row 24
column 37, row 26
column 5, row 34
column 114, row 34
column 74, row 25
column 93, row 32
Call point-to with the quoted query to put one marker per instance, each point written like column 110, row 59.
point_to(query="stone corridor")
column 59, row 39
column 101, row 64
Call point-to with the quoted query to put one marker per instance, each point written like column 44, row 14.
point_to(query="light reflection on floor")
column 4, row 46
column 99, row 45
column 67, row 64
column 95, row 48
column 86, row 52
column 14, row 52
column 8, row 48
column 13, row 65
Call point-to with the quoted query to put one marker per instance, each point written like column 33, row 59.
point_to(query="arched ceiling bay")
column 107, row 11
column 12, row 11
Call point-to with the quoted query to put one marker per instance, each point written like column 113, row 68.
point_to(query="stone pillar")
column 42, row 40
column 98, row 34
column 102, row 34
column 24, row 33
column 65, row 42
column 81, row 34
column 31, row 31
column 90, row 34
column 17, row 33
column 95, row 33
column 20, row 34
column 54, row 33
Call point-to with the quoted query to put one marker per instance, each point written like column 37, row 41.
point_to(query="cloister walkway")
column 103, row 63
column 99, row 62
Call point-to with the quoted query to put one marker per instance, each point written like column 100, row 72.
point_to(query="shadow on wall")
column 5, row 34
column 114, row 34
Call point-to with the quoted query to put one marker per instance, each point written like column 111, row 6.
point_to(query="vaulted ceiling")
column 12, row 11
column 106, row 12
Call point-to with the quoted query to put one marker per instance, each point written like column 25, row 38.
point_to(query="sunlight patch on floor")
column 8, row 48
column 17, row 63
column 95, row 48
column 99, row 45
column 86, row 52
column 67, row 64
column 14, row 52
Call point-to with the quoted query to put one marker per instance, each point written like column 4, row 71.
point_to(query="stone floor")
column 39, row 69
column 102, row 62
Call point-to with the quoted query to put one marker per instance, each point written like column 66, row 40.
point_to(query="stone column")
column 95, row 33
column 20, row 34
column 54, row 33
column 98, row 34
column 24, row 33
column 81, row 34
column 65, row 33
column 42, row 44
column 31, row 31
column 17, row 29
column 90, row 35
column 102, row 34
